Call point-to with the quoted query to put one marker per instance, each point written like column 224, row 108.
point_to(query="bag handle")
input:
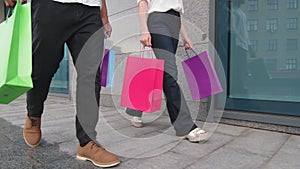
column 186, row 51
column 11, row 10
column 150, row 52
column 106, row 37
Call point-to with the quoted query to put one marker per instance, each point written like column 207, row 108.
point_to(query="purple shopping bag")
column 104, row 68
column 201, row 76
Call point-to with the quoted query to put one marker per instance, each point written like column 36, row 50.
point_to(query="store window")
column 60, row 81
column 260, row 62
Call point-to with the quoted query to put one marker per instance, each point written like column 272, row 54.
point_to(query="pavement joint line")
column 126, row 139
column 276, row 152
column 218, row 148
column 129, row 159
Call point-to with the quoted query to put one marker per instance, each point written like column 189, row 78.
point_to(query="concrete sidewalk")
column 153, row 146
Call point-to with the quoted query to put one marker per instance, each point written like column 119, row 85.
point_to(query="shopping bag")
column 201, row 76
column 110, row 69
column 142, row 85
column 15, row 54
column 104, row 68
column 107, row 68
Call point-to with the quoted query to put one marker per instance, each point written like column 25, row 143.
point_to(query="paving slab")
column 229, row 158
column 260, row 142
column 288, row 157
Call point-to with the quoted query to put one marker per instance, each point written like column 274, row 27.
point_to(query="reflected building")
column 273, row 27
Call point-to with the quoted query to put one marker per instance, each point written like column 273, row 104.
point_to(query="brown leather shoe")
column 97, row 155
column 32, row 131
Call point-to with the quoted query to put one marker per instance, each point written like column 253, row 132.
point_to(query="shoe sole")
column 137, row 125
column 30, row 145
column 203, row 138
column 98, row 165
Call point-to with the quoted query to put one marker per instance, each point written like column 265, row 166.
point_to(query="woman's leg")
column 161, row 27
column 133, row 112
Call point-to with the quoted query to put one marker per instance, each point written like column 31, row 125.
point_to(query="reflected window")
column 291, row 44
column 272, row 45
column 271, row 64
column 291, row 64
column 252, row 5
column 272, row 4
column 253, row 45
column 292, row 23
column 272, row 24
column 252, row 25
column 292, row 4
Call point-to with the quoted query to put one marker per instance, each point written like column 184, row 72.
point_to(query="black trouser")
column 164, row 29
column 53, row 25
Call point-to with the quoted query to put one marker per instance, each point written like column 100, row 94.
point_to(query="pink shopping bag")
column 142, row 85
column 201, row 76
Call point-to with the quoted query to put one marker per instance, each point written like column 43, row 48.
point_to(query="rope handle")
column 186, row 51
column 143, row 49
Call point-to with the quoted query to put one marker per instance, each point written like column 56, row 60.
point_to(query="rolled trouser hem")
column 133, row 112
column 185, row 132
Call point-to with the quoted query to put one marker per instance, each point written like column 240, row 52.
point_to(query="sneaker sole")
column 137, row 125
column 98, row 165
column 203, row 138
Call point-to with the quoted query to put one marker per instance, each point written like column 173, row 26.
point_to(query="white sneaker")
column 137, row 122
column 196, row 135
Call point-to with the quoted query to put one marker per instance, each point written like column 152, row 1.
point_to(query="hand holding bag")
column 16, row 54
column 143, row 83
column 201, row 76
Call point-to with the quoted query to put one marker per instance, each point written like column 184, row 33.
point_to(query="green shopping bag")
column 16, row 54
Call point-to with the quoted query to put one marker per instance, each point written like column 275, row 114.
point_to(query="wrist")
column 105, row 21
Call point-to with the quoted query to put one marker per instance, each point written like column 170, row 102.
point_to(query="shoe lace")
column 95, row 146
column 33, row 122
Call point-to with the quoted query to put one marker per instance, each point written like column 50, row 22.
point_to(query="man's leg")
column 86, row 46
column 47, row 48
column 87, row 54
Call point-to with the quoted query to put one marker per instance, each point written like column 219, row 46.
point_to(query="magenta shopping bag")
column 104, row 68
column 142, row 85
column 201, row 76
